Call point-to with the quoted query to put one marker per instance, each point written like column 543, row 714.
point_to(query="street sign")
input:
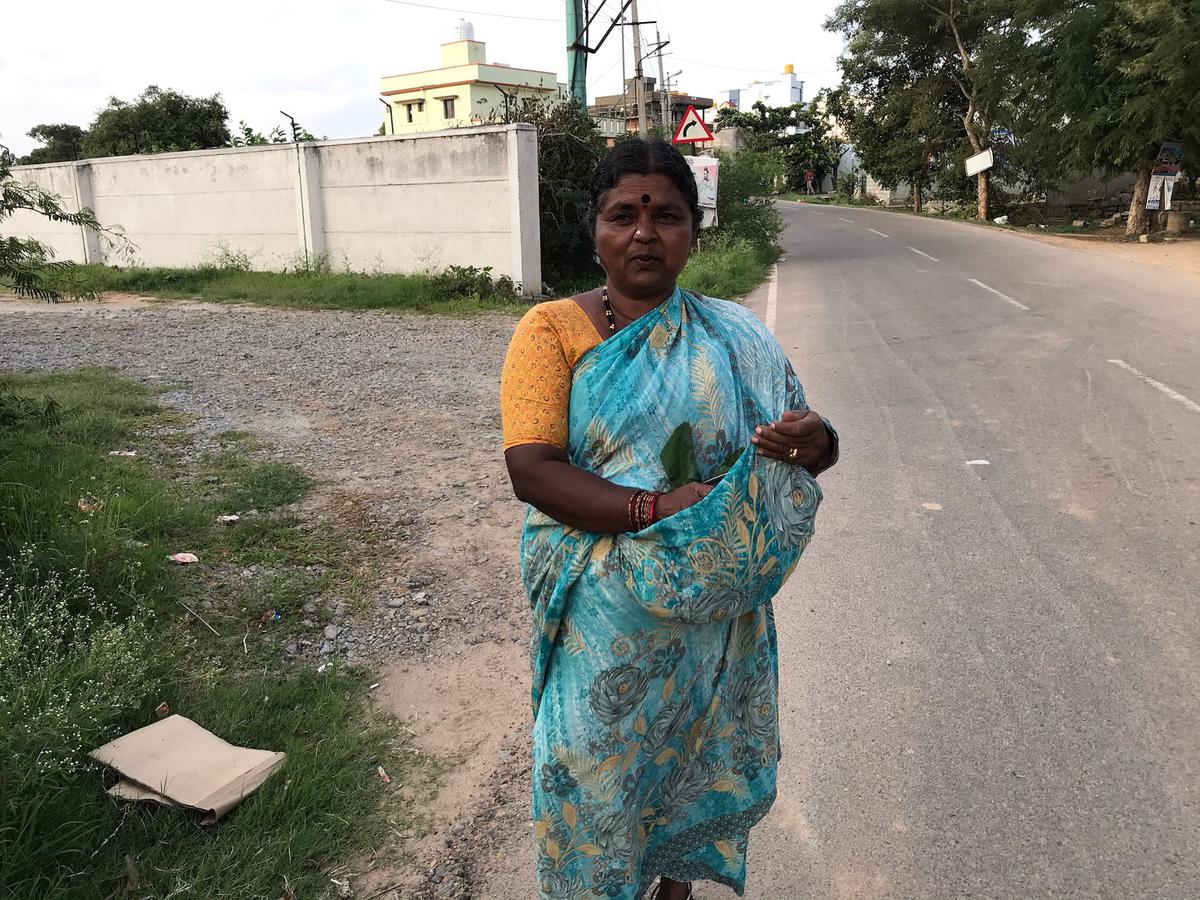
column 980, row 162
column 692, row 129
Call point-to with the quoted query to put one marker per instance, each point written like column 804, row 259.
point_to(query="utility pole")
column 639, row 86
column 664, row 111
column 576, row 53
column 624, row 84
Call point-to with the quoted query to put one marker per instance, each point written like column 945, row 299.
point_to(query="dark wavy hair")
column 638, row 157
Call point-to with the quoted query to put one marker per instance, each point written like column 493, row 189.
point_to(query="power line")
column 475, row 12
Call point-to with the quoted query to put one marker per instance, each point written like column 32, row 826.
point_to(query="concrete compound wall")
column 393, row 204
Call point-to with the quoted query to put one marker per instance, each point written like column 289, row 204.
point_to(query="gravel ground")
column 398, row 414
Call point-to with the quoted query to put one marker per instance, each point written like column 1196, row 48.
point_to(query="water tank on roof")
column 465, row 30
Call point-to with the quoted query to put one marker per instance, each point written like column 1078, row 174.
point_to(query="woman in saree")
column 653, row 650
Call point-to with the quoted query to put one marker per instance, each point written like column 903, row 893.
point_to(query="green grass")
column 94, row 635
column 297, row 290
column 728, row 268
column 1069, row 229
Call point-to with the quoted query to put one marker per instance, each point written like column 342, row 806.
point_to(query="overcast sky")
column 321, row 60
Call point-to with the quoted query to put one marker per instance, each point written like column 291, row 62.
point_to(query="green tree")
column 27, row 266
column 62, row 142
column 245, row 136
column 797, row 134
column 927, row 57
column 158, row 121
column 569, row 146
column 1104, row 82
column 900, row 126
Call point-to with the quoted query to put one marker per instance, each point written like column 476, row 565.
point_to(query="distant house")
column 664, row 108
column 466, row 90
column 783, row 90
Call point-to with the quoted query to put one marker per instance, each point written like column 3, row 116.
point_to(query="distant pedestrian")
column 808, row 182
column 655, row 669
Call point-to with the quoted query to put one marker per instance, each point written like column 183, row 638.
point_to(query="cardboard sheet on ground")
column 177, row 763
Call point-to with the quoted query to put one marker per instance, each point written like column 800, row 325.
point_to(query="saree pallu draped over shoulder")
column 654, row 660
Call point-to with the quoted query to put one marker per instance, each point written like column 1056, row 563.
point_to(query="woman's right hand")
column 680, row 499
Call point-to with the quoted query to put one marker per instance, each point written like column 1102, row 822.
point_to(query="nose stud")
column 637, row 233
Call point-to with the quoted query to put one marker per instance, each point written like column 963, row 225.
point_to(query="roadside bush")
column 726, row 266
column 745, row 208
column 224, row 257
column 966, row 209
column 471, row 281
column 846, row 185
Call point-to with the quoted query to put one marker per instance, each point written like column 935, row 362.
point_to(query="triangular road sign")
column 692, row 129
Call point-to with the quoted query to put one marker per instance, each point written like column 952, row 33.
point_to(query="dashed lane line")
column 924, row 254
column 1004, row 297
column 880, row 233
column 844, row 219
column 1157, row 385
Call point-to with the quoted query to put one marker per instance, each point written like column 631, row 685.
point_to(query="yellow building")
column 466, row 90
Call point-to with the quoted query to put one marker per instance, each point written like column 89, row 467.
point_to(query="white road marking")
column 924, row 254
column 772, row 299
column 978, row 462
column 1157, row 385
column 1004, row 297
column 844, row 219
column 880, row 233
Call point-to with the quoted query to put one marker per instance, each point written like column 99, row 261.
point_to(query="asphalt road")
column 990, row 682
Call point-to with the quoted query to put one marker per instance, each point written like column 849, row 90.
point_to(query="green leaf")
column 679, row 457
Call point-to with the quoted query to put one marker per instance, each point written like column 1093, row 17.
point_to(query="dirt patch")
column 469, row 708
column 1181, row 255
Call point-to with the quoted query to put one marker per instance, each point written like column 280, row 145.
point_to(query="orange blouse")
column 535, row 386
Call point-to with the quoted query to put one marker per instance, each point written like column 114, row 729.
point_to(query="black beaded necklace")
column 608, row 311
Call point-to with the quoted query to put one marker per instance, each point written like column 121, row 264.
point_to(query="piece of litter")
column 229, row 519
column 122, row 453
column 932, row 505
column 184, row 558
column 187, row 765
column 372, row 687
column 162, row 710
column 90, row 503
column 978, row 462
column 322, row 667
column 383, row 776
column 271, row 615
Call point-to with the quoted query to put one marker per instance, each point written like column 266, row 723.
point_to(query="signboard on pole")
column 692, row 129
column 980, row 162
column 704, row 170
column 1163, row 175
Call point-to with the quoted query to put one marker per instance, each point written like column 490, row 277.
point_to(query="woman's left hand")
column 798, row 437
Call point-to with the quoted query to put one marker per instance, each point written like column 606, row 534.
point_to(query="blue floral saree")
column 655, row 681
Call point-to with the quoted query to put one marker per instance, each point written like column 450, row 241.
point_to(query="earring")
column 637, row 233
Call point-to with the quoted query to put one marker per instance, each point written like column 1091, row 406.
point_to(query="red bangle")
column 654, row 507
